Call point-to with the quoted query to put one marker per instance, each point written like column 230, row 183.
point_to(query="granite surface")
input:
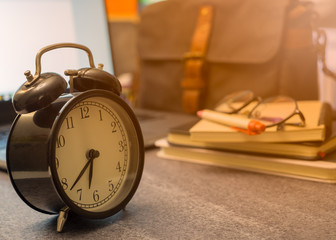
column 178, row 200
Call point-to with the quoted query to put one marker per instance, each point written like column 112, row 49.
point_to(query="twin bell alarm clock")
column 78, row 150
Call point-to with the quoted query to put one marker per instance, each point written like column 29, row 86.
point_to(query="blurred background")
column 123, row 19
column 28, row 25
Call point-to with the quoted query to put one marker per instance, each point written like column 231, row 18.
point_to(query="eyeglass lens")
column 235, row 101
column 274, row 110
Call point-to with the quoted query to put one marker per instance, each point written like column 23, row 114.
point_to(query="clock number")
column 69, row 122
column 95, row 196
column 64, row 183
column 57, row 163
column 79, row 191
column 100, row 115
column 118, row 167
column 121, row 146
column 60, row 141
column 84, row 112
column 111, row 186
column 114, row 126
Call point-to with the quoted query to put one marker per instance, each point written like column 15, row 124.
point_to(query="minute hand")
column 93, row 154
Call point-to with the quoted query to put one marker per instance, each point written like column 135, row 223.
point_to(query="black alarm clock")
column 79, row 150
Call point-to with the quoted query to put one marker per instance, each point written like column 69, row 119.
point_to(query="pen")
column 249, row 126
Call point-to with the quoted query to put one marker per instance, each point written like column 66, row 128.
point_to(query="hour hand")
column 92, row 154
column 90, row 174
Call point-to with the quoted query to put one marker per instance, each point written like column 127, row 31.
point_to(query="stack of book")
column 301, row 152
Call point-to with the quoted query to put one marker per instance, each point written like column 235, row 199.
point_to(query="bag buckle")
column 193, row 55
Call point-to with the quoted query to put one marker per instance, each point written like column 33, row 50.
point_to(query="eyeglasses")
column 273, row 111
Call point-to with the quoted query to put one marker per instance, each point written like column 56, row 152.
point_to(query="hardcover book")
column 322, row 170
column 318, row 120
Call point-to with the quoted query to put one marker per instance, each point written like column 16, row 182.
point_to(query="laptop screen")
column 29, row 25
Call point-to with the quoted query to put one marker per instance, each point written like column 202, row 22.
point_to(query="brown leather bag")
column 192, row 53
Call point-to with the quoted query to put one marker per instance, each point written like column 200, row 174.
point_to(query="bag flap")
column 243, row 31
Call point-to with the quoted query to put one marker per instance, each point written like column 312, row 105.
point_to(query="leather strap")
column 193, row 83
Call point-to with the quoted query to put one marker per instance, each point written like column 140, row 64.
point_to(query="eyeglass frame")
column 279, row 124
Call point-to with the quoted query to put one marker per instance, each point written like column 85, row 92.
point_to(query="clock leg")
column 62, row 217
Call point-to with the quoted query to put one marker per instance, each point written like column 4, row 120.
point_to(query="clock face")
column 97, row 155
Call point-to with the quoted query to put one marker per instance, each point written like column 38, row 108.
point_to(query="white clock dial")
column 92, row 153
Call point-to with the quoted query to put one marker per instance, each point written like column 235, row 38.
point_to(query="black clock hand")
column 81, row 173
column 90, row 174
column 92, row 155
